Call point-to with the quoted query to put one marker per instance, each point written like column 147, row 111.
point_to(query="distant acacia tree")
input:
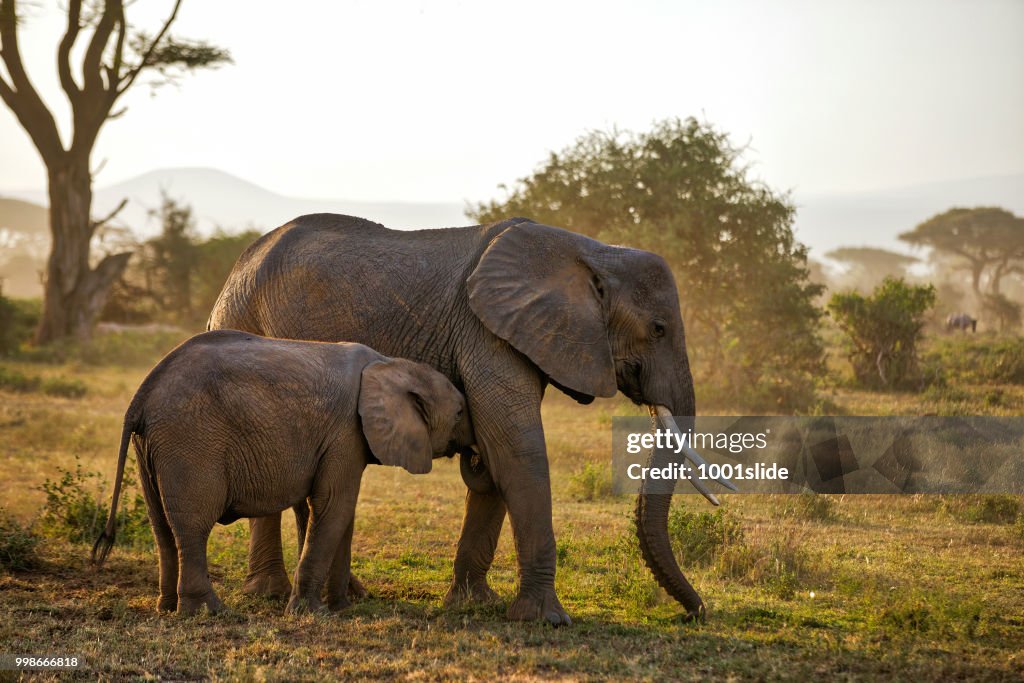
column 868, row 266
column 116, row 55
column 977, row 240
column 679, row 191
column 176, row 276
column 173, row 257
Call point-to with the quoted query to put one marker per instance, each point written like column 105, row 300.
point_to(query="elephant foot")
column 303, row 605
column 466, row 592
column 338, row 605
column 356, row 589
column 273, row 584
column 538, row 605
column 188, row 606
column 167, row 603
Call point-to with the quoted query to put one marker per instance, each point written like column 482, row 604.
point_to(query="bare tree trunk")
column 75, row 292
column 976, row 270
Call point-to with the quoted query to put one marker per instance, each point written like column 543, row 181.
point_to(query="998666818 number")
column 40, row 662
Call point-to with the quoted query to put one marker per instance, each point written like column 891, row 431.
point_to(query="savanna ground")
column 835, row 588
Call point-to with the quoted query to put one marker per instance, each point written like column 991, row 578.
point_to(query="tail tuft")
column 101, row 548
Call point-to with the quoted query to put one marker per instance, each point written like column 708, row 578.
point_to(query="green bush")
column 699, row 536
column 61, row 386
column 17, row 544
column 76, row 511
column 129, row 348
column 18, row 321
column 883, row 331
column 632, row 579
column 14, row 380
column 812, row 507
column 982, row 509
column 777, row 564
column 979, row 360
column 591, row 482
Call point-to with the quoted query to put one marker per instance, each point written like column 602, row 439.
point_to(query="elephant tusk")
column 693, row 456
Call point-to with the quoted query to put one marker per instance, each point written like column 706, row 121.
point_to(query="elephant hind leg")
column 168, row 601
column 191, row 530
column 484, row 517
column 340, row 581
column 267, row 575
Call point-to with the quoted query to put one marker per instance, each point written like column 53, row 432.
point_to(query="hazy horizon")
column 442, row 102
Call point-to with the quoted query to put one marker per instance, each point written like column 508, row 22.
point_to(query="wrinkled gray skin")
column 502, row 310
column 961, row 321
column 232, row 425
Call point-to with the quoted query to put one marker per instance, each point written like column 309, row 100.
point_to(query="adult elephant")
column 502, row 310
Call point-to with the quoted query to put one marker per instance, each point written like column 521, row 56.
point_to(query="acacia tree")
column 679, row 190
column 977, row 239
column 115, row 56
column 868, row 266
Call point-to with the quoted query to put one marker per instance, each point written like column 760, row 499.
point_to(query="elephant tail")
column 105, row 542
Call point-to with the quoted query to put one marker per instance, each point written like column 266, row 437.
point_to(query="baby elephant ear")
column 392, row 412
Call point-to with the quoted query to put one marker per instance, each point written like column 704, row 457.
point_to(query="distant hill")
column 17, row 215
column 222, row 200
column 219, row 199
column 24, row 242
column 825, row 222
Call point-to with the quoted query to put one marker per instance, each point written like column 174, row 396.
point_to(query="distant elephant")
column 961, row 321
column 502, row 310
column 232, row 425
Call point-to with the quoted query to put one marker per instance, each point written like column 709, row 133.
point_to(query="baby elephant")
column 233, row 425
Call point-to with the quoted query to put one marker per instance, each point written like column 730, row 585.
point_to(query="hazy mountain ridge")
column 876, row 218
column 221, row 200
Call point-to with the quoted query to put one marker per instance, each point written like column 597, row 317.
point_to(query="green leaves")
column 680, row 191
column 883, row 329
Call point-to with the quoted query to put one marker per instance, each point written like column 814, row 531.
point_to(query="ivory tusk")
column 693, row 456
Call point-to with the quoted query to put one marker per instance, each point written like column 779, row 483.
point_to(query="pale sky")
column 442, row 101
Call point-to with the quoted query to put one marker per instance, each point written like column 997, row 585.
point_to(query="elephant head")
column 595, row 319
column 411, row 414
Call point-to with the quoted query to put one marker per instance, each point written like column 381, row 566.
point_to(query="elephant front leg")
column 485, row 514
column 515, row 454
column 266, row 575
column 355, row 590
column 528, row 497
column 328, row 542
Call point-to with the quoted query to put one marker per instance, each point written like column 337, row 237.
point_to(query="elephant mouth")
column 628, row 374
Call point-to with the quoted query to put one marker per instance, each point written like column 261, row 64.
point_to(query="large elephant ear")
column 535, row 288
column 392, row 412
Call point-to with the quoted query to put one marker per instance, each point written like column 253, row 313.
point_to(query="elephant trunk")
column 652, row 529
column 652, row 508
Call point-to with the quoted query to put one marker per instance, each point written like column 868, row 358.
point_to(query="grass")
column 852, row 587
column 14, row 380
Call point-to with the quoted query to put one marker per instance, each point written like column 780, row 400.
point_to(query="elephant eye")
column 657, row 329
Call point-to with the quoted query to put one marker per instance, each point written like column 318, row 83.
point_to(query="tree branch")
column 20, row 95
column 67, row 81
column 133, row 73
column 114, row 70
column 96, row 225
column 92, row 76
